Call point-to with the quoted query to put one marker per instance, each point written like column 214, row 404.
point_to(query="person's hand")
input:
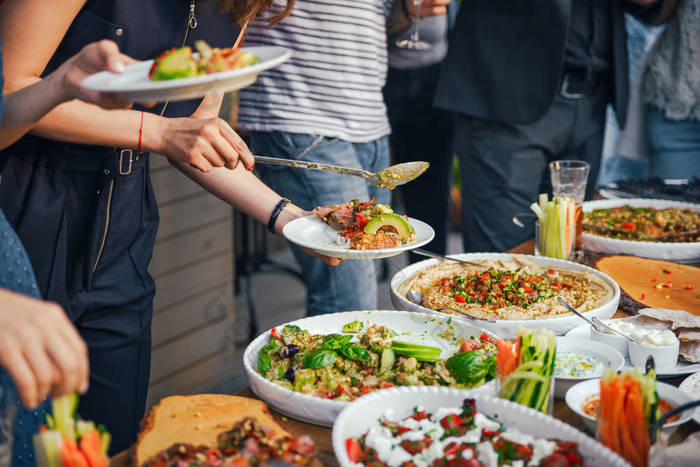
column 428, row 7
column 291, row 212
column 40, row 349
column 98, row 56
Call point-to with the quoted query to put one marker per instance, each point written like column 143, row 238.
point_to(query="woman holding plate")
column 78, row 190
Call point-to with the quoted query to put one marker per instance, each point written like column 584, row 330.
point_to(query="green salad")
column 357, row 361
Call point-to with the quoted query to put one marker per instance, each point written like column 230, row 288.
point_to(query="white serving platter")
column 681, row 369
column 354, row 420
column 679, row 252
column 691, row 386
column 412, row 327
column 509, row 328
column 134, row 84
column 313, row 233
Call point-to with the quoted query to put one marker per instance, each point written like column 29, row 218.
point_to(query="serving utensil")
column 430, row 254
column 597, row 324
column 389, row 178
column 417, row 298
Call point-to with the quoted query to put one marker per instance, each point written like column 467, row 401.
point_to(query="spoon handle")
column 312, row 165
column 430, row 254
column 577, row 313
column 601, row 324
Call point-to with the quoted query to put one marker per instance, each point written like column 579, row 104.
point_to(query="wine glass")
column 413, row 42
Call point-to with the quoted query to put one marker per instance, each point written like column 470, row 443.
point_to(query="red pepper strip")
column 275, row 334
column 354, row 450
column 365, row 205
column 460, row 299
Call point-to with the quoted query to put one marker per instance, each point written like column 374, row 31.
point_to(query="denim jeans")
column 674, row 146
column 353, row 284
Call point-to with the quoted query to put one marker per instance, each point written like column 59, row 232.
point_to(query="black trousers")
column 421, row 132
column 89, row 232
column 504, row 166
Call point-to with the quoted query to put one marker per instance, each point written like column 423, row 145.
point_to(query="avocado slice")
column 178, row 63
column 401, row 225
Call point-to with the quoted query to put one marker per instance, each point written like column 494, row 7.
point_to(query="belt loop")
column 565, row 89
column 121, row 161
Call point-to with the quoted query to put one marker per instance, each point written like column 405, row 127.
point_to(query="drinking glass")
column 413, row 42
column 569, row 178
column 543, row 247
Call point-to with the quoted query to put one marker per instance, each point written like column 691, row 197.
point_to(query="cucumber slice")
column 387, row 360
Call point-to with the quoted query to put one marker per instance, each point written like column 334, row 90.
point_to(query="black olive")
column 289, row 375
column 293, row 350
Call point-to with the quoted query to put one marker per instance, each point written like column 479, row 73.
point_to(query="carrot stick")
column 626, row 427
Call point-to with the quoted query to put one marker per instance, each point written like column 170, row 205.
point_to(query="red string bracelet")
column 140, row 131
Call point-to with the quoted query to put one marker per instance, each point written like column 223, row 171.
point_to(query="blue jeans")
column 353, row 284
column 674, row 146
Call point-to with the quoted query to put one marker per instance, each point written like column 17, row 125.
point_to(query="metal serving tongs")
column 597, row 324
column 389, row 178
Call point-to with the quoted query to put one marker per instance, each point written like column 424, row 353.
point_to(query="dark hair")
column 244, row 10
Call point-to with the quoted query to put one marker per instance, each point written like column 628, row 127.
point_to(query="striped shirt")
column 332, row 85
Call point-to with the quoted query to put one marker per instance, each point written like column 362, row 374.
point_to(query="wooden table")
column 322, row 435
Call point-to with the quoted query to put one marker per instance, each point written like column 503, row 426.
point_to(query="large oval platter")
column 413, row 327
column 509, row 328
column 354, row 421
column 682, row 252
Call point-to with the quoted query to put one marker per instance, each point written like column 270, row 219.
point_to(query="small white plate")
column 691, row 386
column 313, row 233
column 356, row 419
column 681, row 369
column 134, row 84
column 577, row 395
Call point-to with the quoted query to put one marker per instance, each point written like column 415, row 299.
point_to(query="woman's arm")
column 31, row 31
column 26, row 106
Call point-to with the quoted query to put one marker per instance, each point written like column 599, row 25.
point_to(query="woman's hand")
column 40, row 348
column 291, row 212
column 95, row 57
column 204, row 143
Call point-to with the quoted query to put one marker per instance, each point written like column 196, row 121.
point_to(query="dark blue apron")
column 88, row 217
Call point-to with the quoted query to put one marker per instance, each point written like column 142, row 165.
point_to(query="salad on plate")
column 183, row 63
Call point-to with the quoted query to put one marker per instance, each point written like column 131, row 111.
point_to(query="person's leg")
column 675, row 146
column 352, row 285
column 421, row 132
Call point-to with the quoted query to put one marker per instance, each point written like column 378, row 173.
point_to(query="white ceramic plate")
column 354, row 420
column 509, row 328
column 134, row 84
column 313, row 233
column 577, row 395
column 679, row 252
column 681, row 369
column 419, row 328
column 691, row 386
column 610, row 357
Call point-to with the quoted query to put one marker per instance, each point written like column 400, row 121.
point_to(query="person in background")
column 41, row 352
column 420, row 131
column 325, row 105
column 530, row 81
column 665, row 130
column 78, row 192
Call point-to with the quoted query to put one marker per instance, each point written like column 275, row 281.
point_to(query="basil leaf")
column 320, row 358
column 270, row 347
column 291, row 329
column 264, row 363
column 335, row 341
column 468, row 367
column 355, row 352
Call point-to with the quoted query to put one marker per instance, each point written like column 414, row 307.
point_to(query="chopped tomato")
column 361, row 220
column 628, row 226
column 354, row 450
column 688, row 287
column 365, row 389
column 485, row 276
column 469, row 344
column 418, row 416
column 385, row 385
column 451, row 421
column 551, row 271
column 460, row 299
column 341, row 390
column 486, row 338
column 643, row 296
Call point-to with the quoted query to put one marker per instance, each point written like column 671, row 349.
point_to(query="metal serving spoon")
column 597, row 324
column 389, row 178
column 417, row 298
column 430, row 254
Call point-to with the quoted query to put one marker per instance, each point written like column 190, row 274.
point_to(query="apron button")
column 106, row 171
column 119, row 32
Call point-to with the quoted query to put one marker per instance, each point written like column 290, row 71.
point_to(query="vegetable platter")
column 417, row 338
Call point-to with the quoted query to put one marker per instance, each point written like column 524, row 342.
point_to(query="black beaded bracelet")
column 275, row 214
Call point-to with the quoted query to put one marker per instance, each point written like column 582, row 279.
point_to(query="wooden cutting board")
column 654, row 283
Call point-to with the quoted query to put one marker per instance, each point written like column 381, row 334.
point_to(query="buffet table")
column 322, row 435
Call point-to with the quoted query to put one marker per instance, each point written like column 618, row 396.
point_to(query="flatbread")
column 690, row 352
column 689, row 335
column 198, row 420
column 678, row 318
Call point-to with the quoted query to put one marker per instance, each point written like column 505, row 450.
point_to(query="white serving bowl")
column 615, row 341
column 579, row 393
column 579, row 345
column 422, row 328
column 665, row 357
column 355, row 420
column 509, row 328
column 679, row 252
